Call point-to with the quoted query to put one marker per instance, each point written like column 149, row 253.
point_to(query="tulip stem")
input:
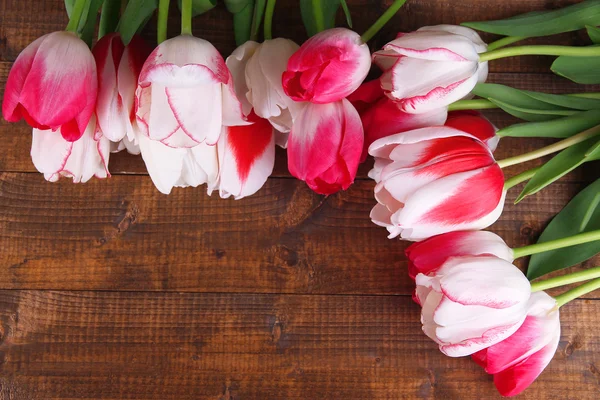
column 76, row 14
column 505, row 41
column 522, row 177
column 553, row 148
column 477, row 104
column 579, row 291
column 381, row 21
column 542, row 50
column 186, row 17
column 268, row 24
column 563, row 280
column 574, row 240
column 161, row 26
column 318, row 15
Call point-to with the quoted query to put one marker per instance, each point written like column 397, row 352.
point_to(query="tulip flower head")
column 476, row 124
column 435, row 180
column 431, row 67
column 472, row 302
column 53, row 85
column 328, row 67
column 519, row 359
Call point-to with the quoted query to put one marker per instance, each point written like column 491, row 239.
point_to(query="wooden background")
column 111, row 290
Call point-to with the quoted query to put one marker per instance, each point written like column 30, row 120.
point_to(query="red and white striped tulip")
column 54, row 156
column 257, row 70
column 327, row 67
column 519, row 359
column 325, row 145
column 431, row 67
column 119, row 67
column 476, row 124
column 473, row 302
column 435, row 180
column 53, row 85
column 185, row 94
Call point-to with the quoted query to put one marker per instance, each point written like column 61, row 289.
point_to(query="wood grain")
column 100, row 345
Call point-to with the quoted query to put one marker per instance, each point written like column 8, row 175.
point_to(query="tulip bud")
column 324, row 146
column 327, row 67
column 53, row 85
column 472, row 302
column 431, row 67
column 435, row 180
column 476, row 124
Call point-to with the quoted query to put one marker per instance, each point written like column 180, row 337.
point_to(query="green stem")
column 573, row 51
column 563, row 280
column 161, row 27
column 557, row 244
column 269, row 19
column 318, row 15
column 505, row 41
column 477, row 104
column 579, row 291
column 186, row 17
column 381, row 21
column 76, row 15
column 522, row 177
column 553, row 148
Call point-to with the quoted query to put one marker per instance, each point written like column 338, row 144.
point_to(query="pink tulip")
column 119, row 67
column 476, row 124
column 185, row 94
column 327, row 67
column 472, row 302
column 435, row 180
column 431, row 67
column 81, row 160
column 257, row 70
column 382, row 117
column 53, row 85
column 325, row 145
column 519, row 359
column 246, row 158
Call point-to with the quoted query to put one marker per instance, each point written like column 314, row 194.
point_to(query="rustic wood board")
column 111, row 290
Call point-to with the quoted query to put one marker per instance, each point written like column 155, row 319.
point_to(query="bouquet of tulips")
column 197, row 118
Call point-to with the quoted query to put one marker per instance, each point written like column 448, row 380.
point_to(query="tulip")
column 519, row 359
column 431, row 67
column 53, row 85
column 435, row 180
column 257, row 70
column 325, row 145
column 246, row 158
column 328, row 67
column 185, row 94
column 382, row 117
column 476, row 124
column 55, row 156
column 472, row 302
column 119, row 67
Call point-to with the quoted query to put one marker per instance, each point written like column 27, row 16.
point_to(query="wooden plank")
column 124, row 235
column 103, row 345
column 23, row 21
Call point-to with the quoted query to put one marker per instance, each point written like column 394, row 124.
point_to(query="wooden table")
column 111, row 290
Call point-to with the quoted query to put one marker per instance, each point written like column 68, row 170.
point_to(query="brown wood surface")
column 111, row 290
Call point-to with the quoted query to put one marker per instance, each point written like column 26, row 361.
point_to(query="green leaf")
column 583, row 70
column 566, row 101
column 109, row 18
column 582, row 214
column 544, row 23
column 257, row 19
column 514, row 97
column 329, row 10
column 135, row 15
column 593, row 33
column 346, row 12
column 243, row 15
column 90, row 17
column 69, row 4
column 557, row 128
column 69, row 7
column 200, row 6
column 560, row 165
column 529, row 114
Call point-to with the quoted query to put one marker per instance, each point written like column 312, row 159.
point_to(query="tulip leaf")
column 593, row 33
column 557, row 128
column 514, row 97
column 109, row 18
column 243, row 15
column 560, row 165
column 200, row 6
column 532, row 115
column 544, row 23
column 69, row 4
column 566, row 101
column 259, row 12
column 136, row 14
column 582, row 214
column 91, row 19
column 583, row 70
column 328, row 9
